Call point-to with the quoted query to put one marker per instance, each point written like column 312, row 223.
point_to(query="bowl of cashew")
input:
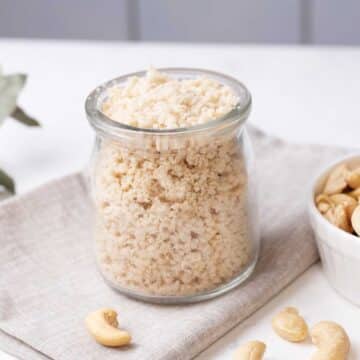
column 334, row 210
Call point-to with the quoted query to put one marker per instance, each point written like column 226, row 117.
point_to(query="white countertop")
column 308, row 95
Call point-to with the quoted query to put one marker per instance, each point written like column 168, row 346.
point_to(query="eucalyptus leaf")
column 20, row 115
column 7, row 182
column 10, row 87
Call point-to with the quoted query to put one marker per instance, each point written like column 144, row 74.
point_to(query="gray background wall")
column 255, row 21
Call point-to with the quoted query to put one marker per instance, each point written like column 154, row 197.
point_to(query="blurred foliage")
column 7, row 182
column 10, row 88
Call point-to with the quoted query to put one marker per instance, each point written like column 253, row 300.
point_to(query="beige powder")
column 159, row 101
column 171, row 222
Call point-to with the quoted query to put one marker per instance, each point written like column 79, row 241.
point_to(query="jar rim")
column 104, row 124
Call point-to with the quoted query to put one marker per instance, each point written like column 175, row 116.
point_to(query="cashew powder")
column 171, row 215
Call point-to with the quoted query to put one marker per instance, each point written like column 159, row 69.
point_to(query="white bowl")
column 339, row 250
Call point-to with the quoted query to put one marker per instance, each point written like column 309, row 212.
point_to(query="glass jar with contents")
column 173, row 184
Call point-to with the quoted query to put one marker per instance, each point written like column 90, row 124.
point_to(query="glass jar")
column 175, row 209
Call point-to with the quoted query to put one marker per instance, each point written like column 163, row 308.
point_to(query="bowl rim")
column 315, row 215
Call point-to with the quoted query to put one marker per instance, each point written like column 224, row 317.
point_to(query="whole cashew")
column 346, row 201
column 355, row 220
column 328, row 203
column 103, row 326
column 252, row 350
column 323, row 203
column 355, row 194
column 353, row 178
column 338, row 216
column 289, row 325
column 332, row 341
column 336, row 181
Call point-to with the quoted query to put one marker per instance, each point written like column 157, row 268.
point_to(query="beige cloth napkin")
column 48, row 279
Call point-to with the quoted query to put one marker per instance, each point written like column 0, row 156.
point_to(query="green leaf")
column 7, row 182
column 10, row 87
column 20, row 115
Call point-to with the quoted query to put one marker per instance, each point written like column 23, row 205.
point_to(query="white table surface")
column 304, row 94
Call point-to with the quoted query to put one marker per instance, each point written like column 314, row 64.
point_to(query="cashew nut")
column 338, row 216
column 353, row 178
column 322, row 198
column 252, row 350
column 332, row 341
column 347, row 201
column 289, row 325
column 323, row 203
column 355, row 194
column 355, row 220
column 103, row 326
column 336, row 181
column 323, row 207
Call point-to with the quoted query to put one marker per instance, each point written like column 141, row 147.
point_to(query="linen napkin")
column 49, row 282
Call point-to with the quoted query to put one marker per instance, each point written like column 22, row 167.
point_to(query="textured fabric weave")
column 49, row 282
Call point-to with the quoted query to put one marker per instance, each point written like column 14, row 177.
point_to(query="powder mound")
column 159, row 101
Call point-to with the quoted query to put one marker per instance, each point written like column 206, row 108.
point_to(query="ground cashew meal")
column 171, row 216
